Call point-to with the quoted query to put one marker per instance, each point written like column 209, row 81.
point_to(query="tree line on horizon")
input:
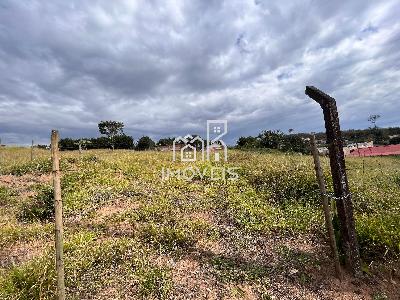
column 298, row 142
column 115, row 138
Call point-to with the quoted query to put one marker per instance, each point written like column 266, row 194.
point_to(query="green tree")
column 294, row 143
column 271, row 139
column 145, row 143
column 248, row 142
column 123, row 142
column 165, row 141
column 373, row 119
column 394, row 140
column 67, row 144
column 111, row 129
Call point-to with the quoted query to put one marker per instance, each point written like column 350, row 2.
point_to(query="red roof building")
column 376, row 151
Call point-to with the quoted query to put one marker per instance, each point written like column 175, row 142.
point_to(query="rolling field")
column 128, row 234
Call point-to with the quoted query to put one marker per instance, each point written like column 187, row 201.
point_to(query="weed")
column 5, row 195
column 154, row 282
column 379, row 296
column 37, row 166
column 235, row 270
column 167, row 237
column 40, row 208
column 11, row 233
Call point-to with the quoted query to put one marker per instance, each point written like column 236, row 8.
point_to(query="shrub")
column 167, row 237
column 145, row 143
column 40, row 208
column 154, row 282
column 33, row 280
column 378, row 234
column 5, row 195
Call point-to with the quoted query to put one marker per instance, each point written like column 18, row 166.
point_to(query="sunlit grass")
column 119, row 214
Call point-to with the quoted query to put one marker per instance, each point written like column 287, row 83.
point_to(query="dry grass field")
column 131, row 235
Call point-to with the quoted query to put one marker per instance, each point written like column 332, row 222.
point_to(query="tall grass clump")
column 39, row 207
column 5, row 195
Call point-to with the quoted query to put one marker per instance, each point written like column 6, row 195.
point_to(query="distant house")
column 164, row 148
column 376, row 151
column 347, row 150
column 360, row 145
column 355, row 146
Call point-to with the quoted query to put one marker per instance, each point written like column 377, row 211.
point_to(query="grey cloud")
column 165, row 67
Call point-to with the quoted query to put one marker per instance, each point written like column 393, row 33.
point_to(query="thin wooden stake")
column 32, row 151
column 325, row 204
column 58, row 216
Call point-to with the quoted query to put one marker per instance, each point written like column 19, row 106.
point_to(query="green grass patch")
column 37, row 166
column 12, row 233
column 5, row 195
column 40, row 207
column 228, row 269
column 88, row 263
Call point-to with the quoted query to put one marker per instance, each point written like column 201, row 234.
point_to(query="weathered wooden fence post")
column 339, row 176
column 326, row 207
column 58, row 216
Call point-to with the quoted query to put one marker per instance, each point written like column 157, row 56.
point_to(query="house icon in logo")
column 189, row 151
column 215, row 148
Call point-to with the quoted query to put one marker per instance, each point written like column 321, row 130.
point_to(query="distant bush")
column 123, row 142
column 249, row 142
column 395, row 140
column 269, row 139
column 120, row 142
column 165, row 142
column 145, row 143
column 68, row 144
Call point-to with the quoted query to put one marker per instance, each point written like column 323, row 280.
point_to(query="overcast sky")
column 165, row 67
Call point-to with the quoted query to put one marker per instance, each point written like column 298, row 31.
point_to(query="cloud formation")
column 165, row 67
